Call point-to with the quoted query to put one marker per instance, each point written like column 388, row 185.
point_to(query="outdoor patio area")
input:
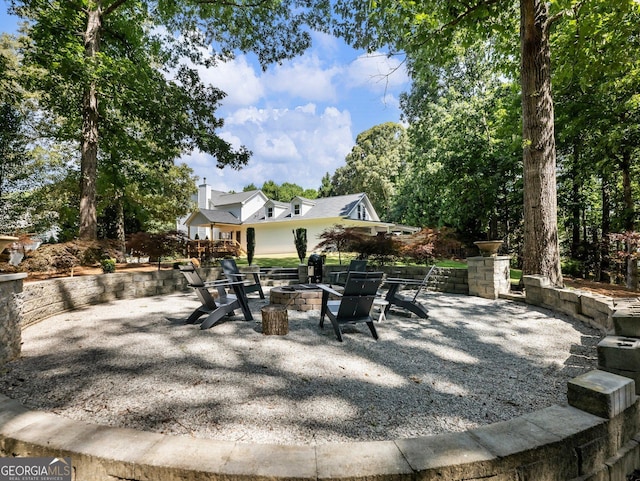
column 135, row 363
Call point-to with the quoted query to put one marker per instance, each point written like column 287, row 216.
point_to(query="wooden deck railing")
column 214, row 249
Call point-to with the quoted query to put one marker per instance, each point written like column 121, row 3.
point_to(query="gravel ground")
column 134, row 363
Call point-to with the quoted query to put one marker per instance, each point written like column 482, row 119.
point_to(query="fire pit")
column 298, row 297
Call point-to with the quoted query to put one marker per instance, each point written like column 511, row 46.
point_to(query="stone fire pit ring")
column 299, row 297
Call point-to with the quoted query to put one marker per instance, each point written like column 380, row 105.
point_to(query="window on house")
column 296, row 209
column 269, row 212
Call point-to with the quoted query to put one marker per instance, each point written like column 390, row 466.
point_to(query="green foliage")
column 325, row 188
column 115, row 79
column 375, row 166
column 108, row 265
column 284, row 192
column 465, row 166
column 251, row 244
column 300, row 241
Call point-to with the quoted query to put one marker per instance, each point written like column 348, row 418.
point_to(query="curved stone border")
column 557, row 443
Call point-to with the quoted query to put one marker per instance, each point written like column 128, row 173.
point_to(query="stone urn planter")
column 489, row 248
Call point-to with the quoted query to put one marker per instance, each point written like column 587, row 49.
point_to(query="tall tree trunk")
column 120, row 231
column 629, row 220
column 89, row 150
column 605, row 244
column 575, row 204
column 541, row 246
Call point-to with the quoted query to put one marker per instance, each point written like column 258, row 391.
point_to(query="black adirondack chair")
column 231, row 271
column 355, row 302
column 340, row 278
column 410, row 303
column 226, row 303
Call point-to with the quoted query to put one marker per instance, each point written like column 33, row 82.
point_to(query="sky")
column 300, row 119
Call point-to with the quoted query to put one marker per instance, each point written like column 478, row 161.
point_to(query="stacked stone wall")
column 43, row 299
column 489, row 276
column 10, row 306
column 451, row 280
column 596, row 437
column 593, row 309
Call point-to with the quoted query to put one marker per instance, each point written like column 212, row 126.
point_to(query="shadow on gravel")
column 136, row 364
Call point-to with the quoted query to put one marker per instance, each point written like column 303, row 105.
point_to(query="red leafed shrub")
column 430, row 244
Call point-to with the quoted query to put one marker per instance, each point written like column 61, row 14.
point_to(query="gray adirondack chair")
column 226, row 303
column 231, row 271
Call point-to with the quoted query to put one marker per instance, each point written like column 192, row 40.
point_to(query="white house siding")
column 251, row 207
column 277, row 238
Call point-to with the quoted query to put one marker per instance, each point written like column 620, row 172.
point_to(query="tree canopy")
column 114, row 73
column 284, row 192
column 374, row 165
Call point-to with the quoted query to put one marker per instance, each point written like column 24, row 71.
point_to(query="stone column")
column 489, row 276
column 10, row 332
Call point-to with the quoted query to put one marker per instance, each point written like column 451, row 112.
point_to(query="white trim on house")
column 223, row 215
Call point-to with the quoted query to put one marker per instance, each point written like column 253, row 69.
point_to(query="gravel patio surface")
column 135, row 363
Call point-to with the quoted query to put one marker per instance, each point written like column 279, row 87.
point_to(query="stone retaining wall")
column 558, row 443
column 489, row 276
column 11, row 286
column 588, row 307
column 443, row 279
column 43, row 299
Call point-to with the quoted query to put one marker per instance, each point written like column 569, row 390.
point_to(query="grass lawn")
column 331, row 260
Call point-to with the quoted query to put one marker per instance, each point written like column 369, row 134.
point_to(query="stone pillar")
column 10, row 331
column 489, row 276
column 620, row 353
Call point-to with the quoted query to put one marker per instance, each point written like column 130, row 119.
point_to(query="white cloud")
column 296, row 145
column 237, row 79
column 305, row 78
column 298, row 118
column 376, row 72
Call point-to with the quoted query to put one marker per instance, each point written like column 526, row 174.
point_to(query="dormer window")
column 269, row 212
column 296, row 209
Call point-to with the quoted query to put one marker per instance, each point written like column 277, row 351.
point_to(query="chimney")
column 203, row 197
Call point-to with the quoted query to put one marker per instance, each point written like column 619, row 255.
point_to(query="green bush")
column 108, row 265
column 573, row 268
column 251, row 244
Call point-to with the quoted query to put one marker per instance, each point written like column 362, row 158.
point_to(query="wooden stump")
column 275, row 320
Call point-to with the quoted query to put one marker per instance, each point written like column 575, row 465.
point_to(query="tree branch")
column 225, row 3
column 470, row 9
column 554, row 18
column 114, row 6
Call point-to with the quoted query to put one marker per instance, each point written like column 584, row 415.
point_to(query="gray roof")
column 325, row 207
column 275, row 203
column 219, row 217
column 236, row 198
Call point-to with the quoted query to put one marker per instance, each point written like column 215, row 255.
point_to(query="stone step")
column 619, row 352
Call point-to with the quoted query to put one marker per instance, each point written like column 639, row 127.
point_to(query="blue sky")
column 300, row 118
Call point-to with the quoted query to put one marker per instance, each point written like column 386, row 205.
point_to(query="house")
column 226, row 216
